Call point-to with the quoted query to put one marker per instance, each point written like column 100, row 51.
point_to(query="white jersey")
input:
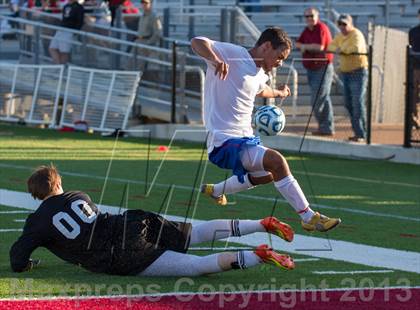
column 228, row 104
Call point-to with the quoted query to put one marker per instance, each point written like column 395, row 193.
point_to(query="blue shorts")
column 227, row 156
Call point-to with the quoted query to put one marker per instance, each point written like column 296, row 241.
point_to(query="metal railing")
column 115, row 47
column 102, row 98
column 30, row 93
column 55, row 19
column 100, row 51
column 33, row 94
column 229, row 23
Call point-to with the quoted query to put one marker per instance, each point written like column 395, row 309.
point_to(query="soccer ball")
column 269, row 120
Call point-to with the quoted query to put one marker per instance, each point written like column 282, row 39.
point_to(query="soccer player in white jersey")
column 234, row 77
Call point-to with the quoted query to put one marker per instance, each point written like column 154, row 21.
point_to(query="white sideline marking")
column 10, row 230
column 299, row 260
column 19, row 220
column 352, row 272
column 189, row 188
column 332, row 176
column 317, row 247
column 13, row 212
column 245, row 293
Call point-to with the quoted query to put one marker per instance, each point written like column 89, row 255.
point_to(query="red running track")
column 361, row 299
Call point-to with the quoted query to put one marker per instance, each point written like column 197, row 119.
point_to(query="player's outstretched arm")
column 20, row 253
column 203, row 48
column 282, row 91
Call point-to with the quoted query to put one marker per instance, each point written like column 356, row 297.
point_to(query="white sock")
column 210, row 231
column 231, row 186
column 177, row 264
column 208, row 264
column 220, row 229
column 291, row 191
column 247, row 259
column 249, row 226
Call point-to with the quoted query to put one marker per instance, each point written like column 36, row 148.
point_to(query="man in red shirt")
column 312, row 43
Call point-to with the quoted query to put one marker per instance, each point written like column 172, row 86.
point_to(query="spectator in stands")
column 149, row 33
column 126, row 7
column 150, row 27
column 113, row 7
column 14, row 6
column 131, row 18
column 35, row 4
column 414, row 36
column 129, row 8
column 60, row 46
column 50, row 6
column 351, row 45
column 62, row 3
column 312, row 43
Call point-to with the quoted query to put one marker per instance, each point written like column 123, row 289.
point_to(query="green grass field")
column 346, row 188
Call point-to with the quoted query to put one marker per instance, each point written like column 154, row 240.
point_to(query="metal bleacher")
column 33, row 94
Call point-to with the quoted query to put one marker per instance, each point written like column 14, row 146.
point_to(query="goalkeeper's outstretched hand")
column 32, row 264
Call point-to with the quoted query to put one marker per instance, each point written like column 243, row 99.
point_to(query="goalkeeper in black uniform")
column 133, row 243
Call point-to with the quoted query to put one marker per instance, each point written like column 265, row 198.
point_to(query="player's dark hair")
column 43, row 181
column 277, row 36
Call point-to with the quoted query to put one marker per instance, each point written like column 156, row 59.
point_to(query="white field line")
column 316, row 247
column 189, row 188
column 189, row 293
column 19, row 220
column 299, row 260
column 14, row 212
column 10, row 230
column 340, row 177
column 331, row 272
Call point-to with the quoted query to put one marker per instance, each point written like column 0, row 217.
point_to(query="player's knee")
column 275, row 162
column 257, row 180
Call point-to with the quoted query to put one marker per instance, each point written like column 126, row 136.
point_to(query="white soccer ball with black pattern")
column 269, row 120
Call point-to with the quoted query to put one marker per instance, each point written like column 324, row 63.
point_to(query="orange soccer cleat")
column 275, row 227
column 268, row 256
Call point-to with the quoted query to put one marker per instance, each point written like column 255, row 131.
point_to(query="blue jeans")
column 355, row 83
column 323, row 110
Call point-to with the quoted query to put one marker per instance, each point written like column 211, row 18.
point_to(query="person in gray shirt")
column 150, row 27
column 149, row 32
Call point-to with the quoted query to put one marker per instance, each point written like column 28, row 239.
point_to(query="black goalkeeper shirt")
column 65, row 224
